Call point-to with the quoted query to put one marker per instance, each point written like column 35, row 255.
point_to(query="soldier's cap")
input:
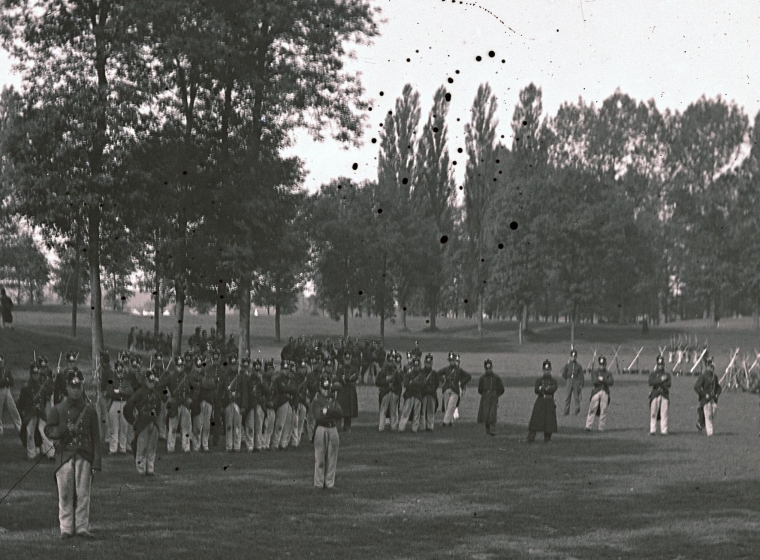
column 232, row 358
column 71, row 356
column 416, row 342
column 602, row 361
column 547, row 365
column 660, row 361
column 34, row 368
column 398, row 359
column 303, row 363
column 709, row 361
column 429, row 358
column 328, row 361
column 74, row 377
column 346, row 354
column 245, row 360
column 179, row 360
column 41, row 359
column 452, row 356
column 574, row 353
column 408, row 355
column 285, row 364
column 118, row 366
column 105, row 356
column 416, row 361
column 216, row 352
column 488, row 363
column 151, row 375
column 204, row 331
column 324, row 383
column 457, row 356
column 158, row 356
column 257, row 363
column 198, row 361
column 188, row 355
column 315, row 359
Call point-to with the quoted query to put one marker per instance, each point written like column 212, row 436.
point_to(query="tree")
column 396, row 248
column 25, row 265
column 78, row 62
column 339, row 213
column 433, row 201
column 481, row 176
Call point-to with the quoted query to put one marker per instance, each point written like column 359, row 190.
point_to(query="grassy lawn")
column 448, row 494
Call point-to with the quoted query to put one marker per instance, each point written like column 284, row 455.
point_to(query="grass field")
column 447, row 494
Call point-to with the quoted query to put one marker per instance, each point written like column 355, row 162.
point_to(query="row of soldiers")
column 147, row 341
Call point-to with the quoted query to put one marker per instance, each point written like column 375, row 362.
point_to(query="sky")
column 672, row 52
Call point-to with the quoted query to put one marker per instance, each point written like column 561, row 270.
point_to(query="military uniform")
column 6, row 399
column 490, row 389
column 73, row 425
column 572, row 373
column 119, row 387
column 300, row 403
column 708, row 390
column 390, row 383
column 429, row 395
column 347, row 375
column 286, row 392
column 327, row 415
column 203, row 386
column 414, row 382
column 659, row 398
column 255, row 414
column 31, row 404
column 147, row 402
column 455, row 379
column 235, row 404
column 544, row 415
column 179, row 405
column 600, row 395
column 270, row 410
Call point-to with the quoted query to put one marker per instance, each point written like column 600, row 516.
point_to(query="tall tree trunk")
column 382, row 301
column 96, row 296
column 403, row 319
column 244, row 304
column 221, row 309
column 345, row 319
column 77, row 268
column 277, row 321
column 480, row 314
column 572, row 327
column 156, row 306
column 524, row 319
column 756, row 315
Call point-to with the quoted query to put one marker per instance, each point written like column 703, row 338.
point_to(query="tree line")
column 150, row 136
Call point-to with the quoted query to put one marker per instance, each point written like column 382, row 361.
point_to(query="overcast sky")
column 670, row 51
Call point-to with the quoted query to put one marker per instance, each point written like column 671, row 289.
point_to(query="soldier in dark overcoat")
column 544, row 416
column 490, row 389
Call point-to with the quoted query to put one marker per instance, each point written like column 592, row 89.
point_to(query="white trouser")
column 599, row 401
column 202, row 427
column 74, row 478
column 32, row 451
column 710, row 409
column 145, row 454
column 283, row 425
column 299, row 418
column 233, row 424
column 184, row 422
column 6, row 403
column 119, row 428
column 658, row 404
column 450, row 399
column 389, row 409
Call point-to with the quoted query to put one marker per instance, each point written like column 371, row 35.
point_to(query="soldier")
column 235, row 405
column 417, row 351
column 347, row 375
column 429, row 395
column 708, row 390
column 455, row 381
column 73, row 425
column 300, row 404
column 182, row 397
column 285, row 393
column 327, row 415
column 490, row 388
column 253, row 421
column 287, row 351
column 195, row 338
column 414, row 382
column 544, row 415
column 31, row 402
column 204, row 385
column 46, row 374
column 147, row 401
column 659, row 398
column 312, row 390
column 131, row 340
column 118, row 390
column 390, row 382
column 572, row 373
column 59, row 391
column 220, row 372
column 232, row 346
column 600, row 395
column 270, row 409
column 140, row 340
column 6, row 399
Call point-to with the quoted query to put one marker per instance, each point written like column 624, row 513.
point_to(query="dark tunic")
column 544, row 417
column 7, row 306
column 490, row 388
column 347, row 397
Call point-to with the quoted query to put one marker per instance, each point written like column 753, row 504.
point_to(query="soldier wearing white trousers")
column 283, row 424
column 252, row 426
column 183, row 421
column 202, row 427
column 6, row 400
column 233, row 421
column 299, row 422
column 268, row 430
column 659, row 397
column 32, row 451
column 600, row 395
column 145, row 454
column 708, row 389
column 119, row 428
column 327, row 415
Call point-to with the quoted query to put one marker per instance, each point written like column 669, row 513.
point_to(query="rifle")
column 58, row 369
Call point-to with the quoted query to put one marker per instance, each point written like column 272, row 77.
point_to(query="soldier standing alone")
column 572, row 373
